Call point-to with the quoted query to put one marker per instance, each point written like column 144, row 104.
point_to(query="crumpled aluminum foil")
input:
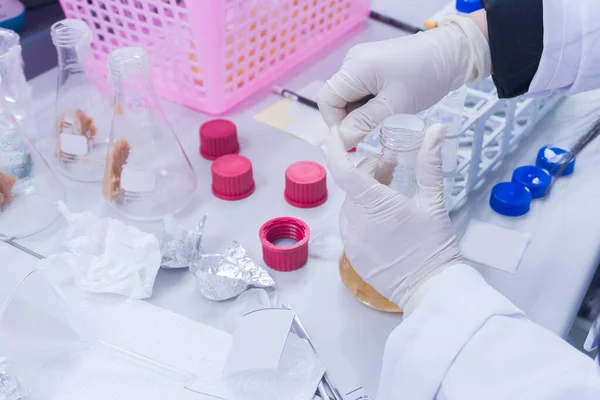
column 224, row 276
column 9, row 388
column 181, row 248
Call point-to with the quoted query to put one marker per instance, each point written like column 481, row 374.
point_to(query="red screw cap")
column 305, row 184
column 284, row 258
column 218, row 137
column 232, row 177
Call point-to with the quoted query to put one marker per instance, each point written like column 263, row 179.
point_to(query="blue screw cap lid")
column 510, row 199
column 536, row 179
column 552, row 158
column 468, row 6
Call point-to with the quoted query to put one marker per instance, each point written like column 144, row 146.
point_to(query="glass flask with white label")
column 83, row 111
column 29, row 189
column 148, row 175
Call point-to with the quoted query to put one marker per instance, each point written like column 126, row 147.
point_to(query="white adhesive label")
column 76, row 145
column 137, row 180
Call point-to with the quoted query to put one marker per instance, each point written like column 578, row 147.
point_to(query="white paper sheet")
column 259, row 340
column 494, row 246
column 297, row 119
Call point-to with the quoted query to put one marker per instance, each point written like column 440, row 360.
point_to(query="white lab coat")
column 570, row 61
column 466, row 341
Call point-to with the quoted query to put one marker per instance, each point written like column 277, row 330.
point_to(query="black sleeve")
column 516, row 34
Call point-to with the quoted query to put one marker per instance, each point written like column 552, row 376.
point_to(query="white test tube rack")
column 491, row 129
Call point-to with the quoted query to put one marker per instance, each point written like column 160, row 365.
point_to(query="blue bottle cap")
column 468, row 6
column 536, row 179
column 510, row 199
column 552, row 158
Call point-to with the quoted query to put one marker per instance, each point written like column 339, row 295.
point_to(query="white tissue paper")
column 107, row 256
column 326, row 245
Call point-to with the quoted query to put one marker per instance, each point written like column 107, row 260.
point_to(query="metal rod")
column 24, row 249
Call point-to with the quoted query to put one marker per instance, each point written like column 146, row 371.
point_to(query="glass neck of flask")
column 72, row 41
column 10, row 50
column 11, row 69
column 68, row 57
column 134, row 90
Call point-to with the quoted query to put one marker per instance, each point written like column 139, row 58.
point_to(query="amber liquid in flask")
column 401, row 137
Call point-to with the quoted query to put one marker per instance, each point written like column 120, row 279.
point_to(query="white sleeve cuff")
column 456, row 304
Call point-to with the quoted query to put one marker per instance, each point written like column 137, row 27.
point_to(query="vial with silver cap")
column 83, row 111
column 148, row 175
column 401, row 137
column 28, row 187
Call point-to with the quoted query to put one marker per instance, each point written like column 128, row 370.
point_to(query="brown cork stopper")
column 85, row 124
column 6, row 184
column 114, row 167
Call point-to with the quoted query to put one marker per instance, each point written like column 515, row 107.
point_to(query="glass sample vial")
column 28, row 187
column 83, row 112
column 401, row 137
column 148, row 175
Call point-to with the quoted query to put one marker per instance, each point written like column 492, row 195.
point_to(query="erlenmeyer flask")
column 148, row 174
column 28, row 187
column 17, row 93
column 82, row 111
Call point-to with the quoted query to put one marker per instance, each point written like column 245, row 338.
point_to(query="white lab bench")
column 349, row 337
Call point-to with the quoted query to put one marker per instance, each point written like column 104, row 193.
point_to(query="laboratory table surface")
column 549, row 284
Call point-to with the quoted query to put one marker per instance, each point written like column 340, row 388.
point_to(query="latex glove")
column 393, row 242
column 406, row 75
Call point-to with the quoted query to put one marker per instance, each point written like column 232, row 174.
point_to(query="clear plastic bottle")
column 83, row 112
column 401, row 137
column 17, row 93
column 28, row 187
column 148, row 175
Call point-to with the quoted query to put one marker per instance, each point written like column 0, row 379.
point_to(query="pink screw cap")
column 305, row 184
column 284, row 258
column 232, row 177
column 218, row 137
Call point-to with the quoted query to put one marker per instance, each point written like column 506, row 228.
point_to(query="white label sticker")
column 137, row 180
column 73, row 144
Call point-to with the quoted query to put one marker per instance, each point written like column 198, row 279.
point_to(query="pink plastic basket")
column 212, row 54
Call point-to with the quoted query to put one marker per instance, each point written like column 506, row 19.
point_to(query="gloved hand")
column 394, row 243
column 406, row 75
